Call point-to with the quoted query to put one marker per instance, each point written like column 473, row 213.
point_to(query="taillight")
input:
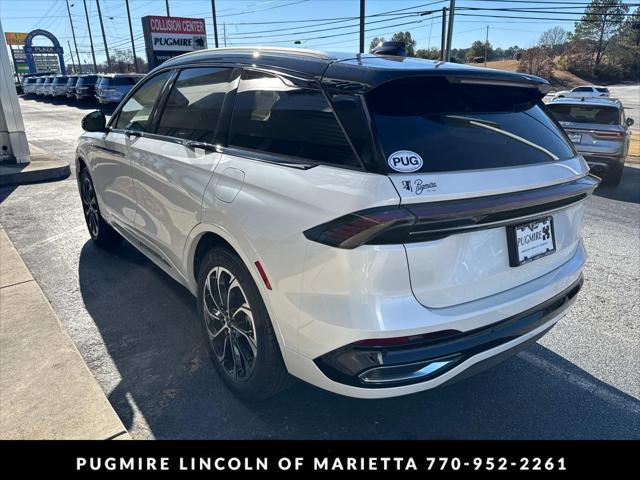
column 421, row 222
column 607, row 135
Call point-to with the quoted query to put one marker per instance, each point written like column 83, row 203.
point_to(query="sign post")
column 168, row 37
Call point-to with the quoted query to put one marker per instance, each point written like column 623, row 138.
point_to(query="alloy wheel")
column 230, row 324
column 90, row 206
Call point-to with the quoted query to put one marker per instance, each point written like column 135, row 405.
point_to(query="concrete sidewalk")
column 46, row 390
column 43, row 167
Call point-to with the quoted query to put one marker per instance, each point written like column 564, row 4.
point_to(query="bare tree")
column 537, row 61
column 554, row 39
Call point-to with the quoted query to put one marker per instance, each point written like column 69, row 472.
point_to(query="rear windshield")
column 60, row 80
column 586, row 114
column 456, row 127
column 72, row 80
column 117, row 81
column 91, row 79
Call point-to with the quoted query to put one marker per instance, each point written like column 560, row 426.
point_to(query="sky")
column 318, row 24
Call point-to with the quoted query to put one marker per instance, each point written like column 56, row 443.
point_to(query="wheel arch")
column 202, row 238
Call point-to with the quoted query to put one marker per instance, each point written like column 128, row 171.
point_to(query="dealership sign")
column 15, row 38
column 167, row 37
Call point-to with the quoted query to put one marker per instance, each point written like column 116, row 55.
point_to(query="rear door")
column 451, row 146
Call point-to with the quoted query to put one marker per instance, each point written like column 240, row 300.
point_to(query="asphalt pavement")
column 138, row 333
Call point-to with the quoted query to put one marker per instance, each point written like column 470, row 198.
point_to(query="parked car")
column 59, row 86
column 600, row 132
column 113, row 88
column 47, row 85
column 39, row 85
column 375, row 226
column 86, row 87
column 71, row 86
column 29, row 85
column 584, row 92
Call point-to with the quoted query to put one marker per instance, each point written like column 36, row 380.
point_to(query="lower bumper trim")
column 381, row 366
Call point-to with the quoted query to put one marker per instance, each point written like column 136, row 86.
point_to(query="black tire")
column 251, row 373
column 614, row 176
column 101, row 232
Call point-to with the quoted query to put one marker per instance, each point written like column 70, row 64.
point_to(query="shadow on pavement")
column 149, row 326
column 627, row 191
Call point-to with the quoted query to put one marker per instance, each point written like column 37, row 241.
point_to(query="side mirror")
column 629, row 122
column 94, row 122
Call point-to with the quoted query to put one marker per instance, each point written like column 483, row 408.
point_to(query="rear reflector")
column 262, row 273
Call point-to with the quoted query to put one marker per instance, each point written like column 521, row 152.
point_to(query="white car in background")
column 584, row 92
column 373, row 225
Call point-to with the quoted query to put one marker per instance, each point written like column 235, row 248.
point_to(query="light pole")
column 104, row 37
column 93, row 53
column 133, row 44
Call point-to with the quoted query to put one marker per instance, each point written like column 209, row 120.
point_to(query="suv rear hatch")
column 594, row 129
column 473, row 158
column 490, row 188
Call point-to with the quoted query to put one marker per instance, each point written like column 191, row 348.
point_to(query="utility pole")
column 104, row 37
column 224, row 33
column 73, row 33
column 133, row 44
column 452, row 7
column 72, row 62
column 166, row 2
column 443, row 34
column 361, row 26
column 215, row 22
column 486, row 44
column 93, row 53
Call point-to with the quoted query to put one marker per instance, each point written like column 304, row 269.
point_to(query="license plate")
column 575, row 137
column 530, row 241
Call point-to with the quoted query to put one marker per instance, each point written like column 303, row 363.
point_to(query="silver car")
column 113, row 88
column 600, row 132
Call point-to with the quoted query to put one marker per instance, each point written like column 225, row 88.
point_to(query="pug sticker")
column 405, row 161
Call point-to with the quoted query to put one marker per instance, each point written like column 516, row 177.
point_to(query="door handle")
column 203, row 145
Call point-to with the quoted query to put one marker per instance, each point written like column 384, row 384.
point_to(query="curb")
column 42, row 168
column 46, row 388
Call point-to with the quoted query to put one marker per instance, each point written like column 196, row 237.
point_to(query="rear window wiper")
column 495, row 127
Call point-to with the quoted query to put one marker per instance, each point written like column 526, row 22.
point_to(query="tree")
column 602, row 20
column 430, row 54
column 554, row 39
column 537, row 61
column 375, row 42
column 477, row 49
column 408, row 41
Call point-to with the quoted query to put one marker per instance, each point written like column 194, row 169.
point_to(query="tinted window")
column 464, row 126
column 602, row 89
column 58, row 80
column 123, row 81
column 136, row 111
column 72, row 80
column 582, row 89
column 276, row 115
column 88, row 80
column 585, row 114
column 194, row 104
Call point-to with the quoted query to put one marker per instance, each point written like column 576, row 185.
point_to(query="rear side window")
column 582, row 89
column 586, row 114
column 454, row 126
column 602, row 89
column 136, row 111
column 289, row 117
column 193, row 106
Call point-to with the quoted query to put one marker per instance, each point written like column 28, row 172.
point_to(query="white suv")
column 584, row 92
column 375, row 226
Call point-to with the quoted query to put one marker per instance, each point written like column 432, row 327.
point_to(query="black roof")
column 352, row 72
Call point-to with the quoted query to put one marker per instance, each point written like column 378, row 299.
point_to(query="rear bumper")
column 416, row 361
column 489, row 327
column 598, row 162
